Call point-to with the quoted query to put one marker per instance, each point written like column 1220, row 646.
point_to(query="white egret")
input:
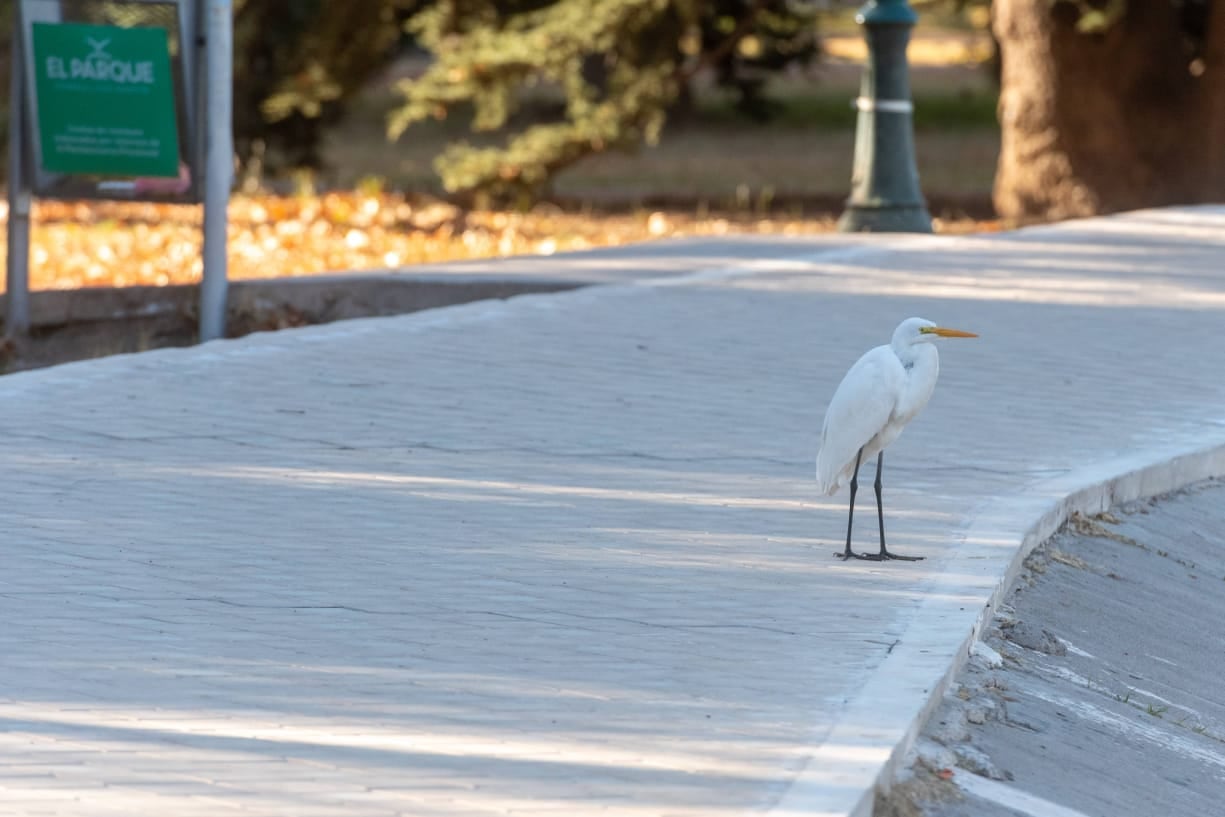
column 882, row 392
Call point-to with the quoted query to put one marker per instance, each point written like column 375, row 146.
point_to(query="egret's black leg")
column 880, row 506
column 880, row 516
column 850, row 518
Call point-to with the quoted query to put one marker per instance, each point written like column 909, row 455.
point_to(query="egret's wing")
column 860, row 408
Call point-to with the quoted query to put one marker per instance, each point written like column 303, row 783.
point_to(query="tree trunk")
column 1131, row 116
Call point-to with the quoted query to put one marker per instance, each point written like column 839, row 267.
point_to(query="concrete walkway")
column 563, row 554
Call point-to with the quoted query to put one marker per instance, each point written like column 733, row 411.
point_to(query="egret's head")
column 919, row 330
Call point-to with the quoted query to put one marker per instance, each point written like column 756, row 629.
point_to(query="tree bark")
column 1131, row 116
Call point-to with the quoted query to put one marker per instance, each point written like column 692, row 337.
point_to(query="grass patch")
column 958, row 110
column 965, row 109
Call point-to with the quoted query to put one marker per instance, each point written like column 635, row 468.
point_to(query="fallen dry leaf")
column 79, row 244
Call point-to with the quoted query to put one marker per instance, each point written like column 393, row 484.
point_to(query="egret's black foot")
column 887, row 556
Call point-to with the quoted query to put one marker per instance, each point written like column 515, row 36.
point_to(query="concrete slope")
column 1104, row 695
column 562, row 554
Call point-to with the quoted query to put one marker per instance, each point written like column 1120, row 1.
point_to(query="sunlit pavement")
column 563, row 554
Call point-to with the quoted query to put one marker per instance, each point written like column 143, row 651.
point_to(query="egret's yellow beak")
column 945, row 332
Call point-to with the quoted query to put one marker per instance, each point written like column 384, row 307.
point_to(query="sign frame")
column 187, row 67
column 202, row 90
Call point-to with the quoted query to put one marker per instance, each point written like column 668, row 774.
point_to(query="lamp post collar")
column 886, row 12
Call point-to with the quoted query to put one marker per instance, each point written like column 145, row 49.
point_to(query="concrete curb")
column 321, row 299
column 394, row 291
column 853, row 762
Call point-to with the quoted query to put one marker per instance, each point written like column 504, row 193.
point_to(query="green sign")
column 105, row 100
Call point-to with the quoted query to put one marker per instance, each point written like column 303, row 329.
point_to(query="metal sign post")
column 17, row 303
column 126, row 100
column 219, row 166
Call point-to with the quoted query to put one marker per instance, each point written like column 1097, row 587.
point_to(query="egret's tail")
column 829, row 480
column 828, row 488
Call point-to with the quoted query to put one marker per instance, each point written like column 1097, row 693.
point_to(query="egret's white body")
column 882, row 392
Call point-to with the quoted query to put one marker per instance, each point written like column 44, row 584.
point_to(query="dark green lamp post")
column 885, row 193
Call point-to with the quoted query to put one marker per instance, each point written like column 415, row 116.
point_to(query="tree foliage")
column 297, row 62
column 772, row 37
column 617, row 66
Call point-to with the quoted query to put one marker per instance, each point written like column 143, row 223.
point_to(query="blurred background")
column 382, row 133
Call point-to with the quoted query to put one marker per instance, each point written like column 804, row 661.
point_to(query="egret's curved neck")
column 913, row 353
column 922, row 364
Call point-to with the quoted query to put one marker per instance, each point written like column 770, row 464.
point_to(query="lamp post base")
column 901, row 219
